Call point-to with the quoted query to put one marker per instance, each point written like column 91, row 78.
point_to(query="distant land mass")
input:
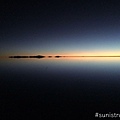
column 38, row 56
column 41, row 56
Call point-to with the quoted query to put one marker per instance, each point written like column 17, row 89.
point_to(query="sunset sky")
column 78, row 27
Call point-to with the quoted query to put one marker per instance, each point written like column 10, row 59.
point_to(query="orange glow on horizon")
column 77, row 53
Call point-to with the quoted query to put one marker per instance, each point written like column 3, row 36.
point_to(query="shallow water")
column 59, row 88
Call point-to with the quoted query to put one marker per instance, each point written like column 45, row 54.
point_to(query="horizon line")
column 57, row 56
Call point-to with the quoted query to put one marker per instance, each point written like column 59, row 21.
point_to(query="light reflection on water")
column 63, row 60
column 68, row 65
column 81, row 85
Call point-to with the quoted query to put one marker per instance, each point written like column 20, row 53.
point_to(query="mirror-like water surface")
column 64, row 87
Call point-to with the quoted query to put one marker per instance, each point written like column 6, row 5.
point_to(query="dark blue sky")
column 78, row 27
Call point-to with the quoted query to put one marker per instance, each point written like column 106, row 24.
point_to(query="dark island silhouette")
column 38, row 56
column 18, row 56
column 49, row 56
column 58, row 56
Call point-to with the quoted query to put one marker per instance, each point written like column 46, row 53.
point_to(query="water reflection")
column 76, row 86
column 65, row 66
column 64, row 61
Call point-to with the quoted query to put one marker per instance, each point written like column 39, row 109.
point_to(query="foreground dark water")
column 59, row 88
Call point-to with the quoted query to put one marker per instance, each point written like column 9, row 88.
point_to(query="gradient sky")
column 78, row 27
